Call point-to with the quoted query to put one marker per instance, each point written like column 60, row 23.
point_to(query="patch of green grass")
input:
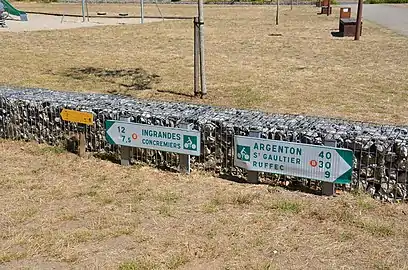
column 380, row 265
column 52, row 150
column 165, row 210
column 68, row 217
column 139, row 264
column 212, row 206
column 365, row 203
column 91, row 193
column 104, row 200
column 345, row 236
column 168, row 197
column 123, row 231
column 343, row 215
column 81, row 236
column 176, row 261
column 316, row 214
column 243, row 198
column 286, row 206
column 376, row 228
column 25, row 214
column 11, row 256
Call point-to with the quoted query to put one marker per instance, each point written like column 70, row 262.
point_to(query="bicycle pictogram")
column 190, row 142
column 243, row 152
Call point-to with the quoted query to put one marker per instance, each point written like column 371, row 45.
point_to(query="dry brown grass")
column 304, row 71
column 59, row 211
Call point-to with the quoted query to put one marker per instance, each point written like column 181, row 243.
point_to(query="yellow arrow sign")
column 77, row 117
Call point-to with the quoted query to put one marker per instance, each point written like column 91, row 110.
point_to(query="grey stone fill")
column 381, row 151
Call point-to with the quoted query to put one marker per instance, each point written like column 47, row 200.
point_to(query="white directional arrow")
column 302, row 160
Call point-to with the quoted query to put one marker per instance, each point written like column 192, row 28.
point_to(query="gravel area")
column 45, row 22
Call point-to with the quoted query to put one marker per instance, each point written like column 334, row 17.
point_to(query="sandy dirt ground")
column 45, row 22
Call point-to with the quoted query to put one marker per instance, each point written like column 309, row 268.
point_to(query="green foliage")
column 286, row 206
column 140, row 264
column 243, row 198
column 38, row 1
column 53, row 150
column 385, row 1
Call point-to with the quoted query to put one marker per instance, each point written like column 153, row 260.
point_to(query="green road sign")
column 302, row 160
column 175, row 140
column 190, row 142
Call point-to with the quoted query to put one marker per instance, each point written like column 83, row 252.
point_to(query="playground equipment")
column 3, row 16
column 13, row 11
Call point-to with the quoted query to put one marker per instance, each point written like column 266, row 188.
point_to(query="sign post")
column 125, row 150
column 183, row 141
column 253, row 176
column 82, row 141
column 317, row 162
column 328, row 188
column 185, row 159
column 83, row 119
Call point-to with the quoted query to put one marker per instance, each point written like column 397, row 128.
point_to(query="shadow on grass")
column 125, row 79
column 176, row 93
column 114, row 158
column 235, row 179
column 292, row 186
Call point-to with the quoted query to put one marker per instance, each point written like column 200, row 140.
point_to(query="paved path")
column 390, row 16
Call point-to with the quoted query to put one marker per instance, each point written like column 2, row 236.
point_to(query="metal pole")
column 291, row 4
column 83, row 10
column 141, row 11
column 277, row 12
column 87, row 10
column 125, row 151
column 201, row 34
column 329, row 189
column 196, row 57
column 359, row 15
column 185, row 159
column 82, row 140
column 253, row 176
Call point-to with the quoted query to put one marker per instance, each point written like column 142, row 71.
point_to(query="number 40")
column 327, row 156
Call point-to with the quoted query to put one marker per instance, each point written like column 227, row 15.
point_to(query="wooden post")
column 328, row 188
column 359, row 15
column 328, row 7
column 201, row 34
column 196, row 57
column 82, row 141
column 253, row 177
column 185, row 159
column 277, row 13
column 125, row 151
column 291, row 4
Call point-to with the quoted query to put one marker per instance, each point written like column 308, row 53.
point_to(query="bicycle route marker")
column 295, row 159
column 177, row 140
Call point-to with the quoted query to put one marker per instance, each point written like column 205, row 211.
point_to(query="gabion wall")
column 381, row 152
